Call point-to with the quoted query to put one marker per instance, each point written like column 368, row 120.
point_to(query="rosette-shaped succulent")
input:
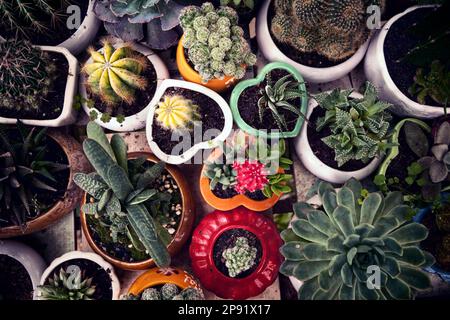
column 176, row 112
column 239, row 258
column 356, row 246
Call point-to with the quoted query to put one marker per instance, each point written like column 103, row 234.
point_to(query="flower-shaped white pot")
column 68, row 114
column 29, row 258
column 320, row 169
column 210, row 144
column 311, row 74
column 377, row 72
column 85, row 34
column 135, row 121
column 73, row 255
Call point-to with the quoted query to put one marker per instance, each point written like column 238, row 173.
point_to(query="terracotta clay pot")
column 184, row 228
column 78, row 163
column 156, row 277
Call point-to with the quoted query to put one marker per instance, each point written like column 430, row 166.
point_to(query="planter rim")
column 319, row 168
column 136, row 121
column 180, row 236
column 204, row 145
column 72, row 255
column 243, row 85
column 68, row 113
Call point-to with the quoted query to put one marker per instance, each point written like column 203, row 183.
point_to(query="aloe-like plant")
column 333, row 249
column 120, row 194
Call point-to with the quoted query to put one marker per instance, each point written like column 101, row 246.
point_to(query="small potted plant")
column 271, row 105
column 408, row 61
column 21, row 269
column 79, row 275
column 50, row 23
column 213, row 50
column 324, row 41
column 345, row 135
column 136, row 212
column 151, row 21
column 38, row 84
column 36, row 186
column 338, row 236
column 118, row 83
column 236, row 254
column 184, row 109
column 165, row 284
column 246, row 172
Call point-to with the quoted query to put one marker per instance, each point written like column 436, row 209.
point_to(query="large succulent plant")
column 332, row 248
column 128, row 20
column 122, row 195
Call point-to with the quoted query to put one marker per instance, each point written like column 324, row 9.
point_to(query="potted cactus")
column 271, row 105
column 189, row 111
column 324, row 41
column 235, row 254
column 38, row 84
column 245, row 173
column 339, row 238
column 213, row 50
column 165, row 284
column 246, row 9
column 79, row 275
column 136, row 212
column 408, row 61
column 70, row 24
column 346, row 134
column 118, row 83
column 21, row 269
column 36, row 187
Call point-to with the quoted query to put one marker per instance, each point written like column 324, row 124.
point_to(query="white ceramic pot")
column 377, row 72
column 28, row 257
column 210, row 144
column 73, row 255
column 136, row 121
column 68, row 114
column 312, row 75
column 85, row 34
column 320, row 169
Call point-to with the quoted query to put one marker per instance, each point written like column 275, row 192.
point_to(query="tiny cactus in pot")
column 168, row 291
column 176, row 113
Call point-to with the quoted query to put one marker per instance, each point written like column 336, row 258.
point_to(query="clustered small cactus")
column 27, row 75
column 334, row 29
column 115, row 74
column 239, row 258
column 168, row 291
column 68, row 284
column 176, row 112
column 215, row 42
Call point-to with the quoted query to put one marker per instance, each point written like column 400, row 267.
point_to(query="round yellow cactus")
column 115, row 74
column 176, row 112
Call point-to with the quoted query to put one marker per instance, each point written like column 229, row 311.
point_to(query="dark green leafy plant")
column 331, row 248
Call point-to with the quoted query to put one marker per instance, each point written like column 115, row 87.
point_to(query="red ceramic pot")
column 202, row 246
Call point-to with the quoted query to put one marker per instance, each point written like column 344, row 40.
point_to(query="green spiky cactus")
column 115, row 74
column 170, row 291
column 176, row 113
column 310, row 12
column 239, row 258
column 332, row 248
column 27, row 75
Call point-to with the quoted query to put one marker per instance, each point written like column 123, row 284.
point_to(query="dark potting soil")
column 52, row 107
column 211, row 118
column 434, row 240
column 228, row 240
column 321, row 150
column 45, row 199
column 230, row 193
column 249, row 111
column 57, row 32
column 142, row 97
column 100, row 277
column 15, row 283
column 399, row 41
column 310, row 59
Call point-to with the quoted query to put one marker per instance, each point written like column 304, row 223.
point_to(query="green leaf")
column 98, row 157
column 344, row 219
column 96, row 133
column 414, row 277
column 306, row 270
column 293, row 251
column 398, row 289
column 287, row 267
column 410, row 233
column 143, row 196
column 120, row 149
column 119, row 182
column 370, row 207
column 416, row 139
column 305, row 230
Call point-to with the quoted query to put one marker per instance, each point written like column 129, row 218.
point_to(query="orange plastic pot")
column 189, row 74
column 181, row 235
column 156, row 277
column 236, row 201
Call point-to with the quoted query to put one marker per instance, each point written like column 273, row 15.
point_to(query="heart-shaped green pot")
column 262, row 132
